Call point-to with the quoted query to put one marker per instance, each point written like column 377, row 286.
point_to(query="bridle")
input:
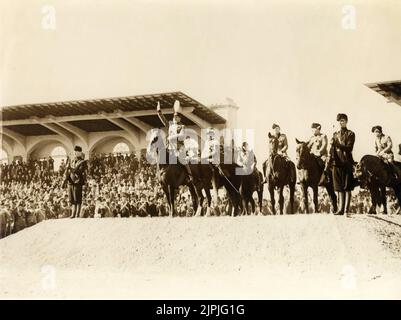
column 302, row 156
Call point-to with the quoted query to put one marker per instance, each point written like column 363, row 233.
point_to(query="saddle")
column 320, row 162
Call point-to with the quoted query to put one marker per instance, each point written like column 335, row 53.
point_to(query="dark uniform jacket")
column 76, row 172
column 341, row 149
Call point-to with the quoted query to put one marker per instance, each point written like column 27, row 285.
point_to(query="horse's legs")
column 315, row 198
column 253, row 206
column 209, row 201
column 244, row 210
column 383, row 198
column 272, row 200
column 397, row 192
column 373, row 196
column 281, row 199
column 171, row 195
column 292, row 196
column 201, row 198
column 260, row 199
column 234, row 203
column 193, row 198
column 306, row 199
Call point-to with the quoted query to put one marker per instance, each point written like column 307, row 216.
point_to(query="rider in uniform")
column 318, row 144
column 341, row 162
column 246, row 157
column 282, row 140
column 211, row 147
column 281, row 148
column 191, row 148
column 383, row 148
column 176, row 134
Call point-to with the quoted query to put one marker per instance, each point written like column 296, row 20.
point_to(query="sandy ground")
column 256, row 257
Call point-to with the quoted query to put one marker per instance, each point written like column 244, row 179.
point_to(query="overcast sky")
column 285, row 62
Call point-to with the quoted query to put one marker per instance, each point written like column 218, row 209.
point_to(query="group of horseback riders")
column 334, row 157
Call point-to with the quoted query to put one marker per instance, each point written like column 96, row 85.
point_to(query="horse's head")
column 361, row 174
column 278, row 168
column 273, row 144
column 302, row 152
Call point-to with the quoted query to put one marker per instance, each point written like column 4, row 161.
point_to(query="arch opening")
column 3, row 156
column 121, row 147
column 59, row 155
column 49, row 148
column 112, row 145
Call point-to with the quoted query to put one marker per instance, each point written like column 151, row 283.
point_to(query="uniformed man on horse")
column 247, row 159
column 317, row 144
column 211, row 149
column 176, row 135
column 282, row 140
column 383, row 148
column 282, row 147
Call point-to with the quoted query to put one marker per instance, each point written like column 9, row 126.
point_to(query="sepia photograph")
column 200, row 150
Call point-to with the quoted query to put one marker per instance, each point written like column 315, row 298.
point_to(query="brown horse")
column 249, row 184
column 239, row 182
column 311, row 171
column 224, row 175
column 281, row 173
column 173, row 175
column 375, row 175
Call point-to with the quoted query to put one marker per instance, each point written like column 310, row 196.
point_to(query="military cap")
column 78, row 148
column 377, row 128
column 274, row 126
column 316, row 125
column 342, row 116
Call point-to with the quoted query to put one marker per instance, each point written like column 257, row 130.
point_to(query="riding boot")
column 347, row 202
column 341, row 203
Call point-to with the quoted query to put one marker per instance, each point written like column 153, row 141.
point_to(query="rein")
column 222, row 173
column 274, row 162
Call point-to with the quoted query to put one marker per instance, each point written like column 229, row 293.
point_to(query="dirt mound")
column 300, row 256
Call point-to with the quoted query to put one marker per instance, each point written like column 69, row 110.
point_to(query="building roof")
column 391, row 90
column 91, row 115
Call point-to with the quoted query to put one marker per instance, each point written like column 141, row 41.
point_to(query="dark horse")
column 281, row 173
column 239, row 183
column 249, row 184
column 311, row 171
column 224, row 175
column 375, row 175
column 172, row 176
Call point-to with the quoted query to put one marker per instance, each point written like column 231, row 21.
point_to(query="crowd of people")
column 118, row 185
